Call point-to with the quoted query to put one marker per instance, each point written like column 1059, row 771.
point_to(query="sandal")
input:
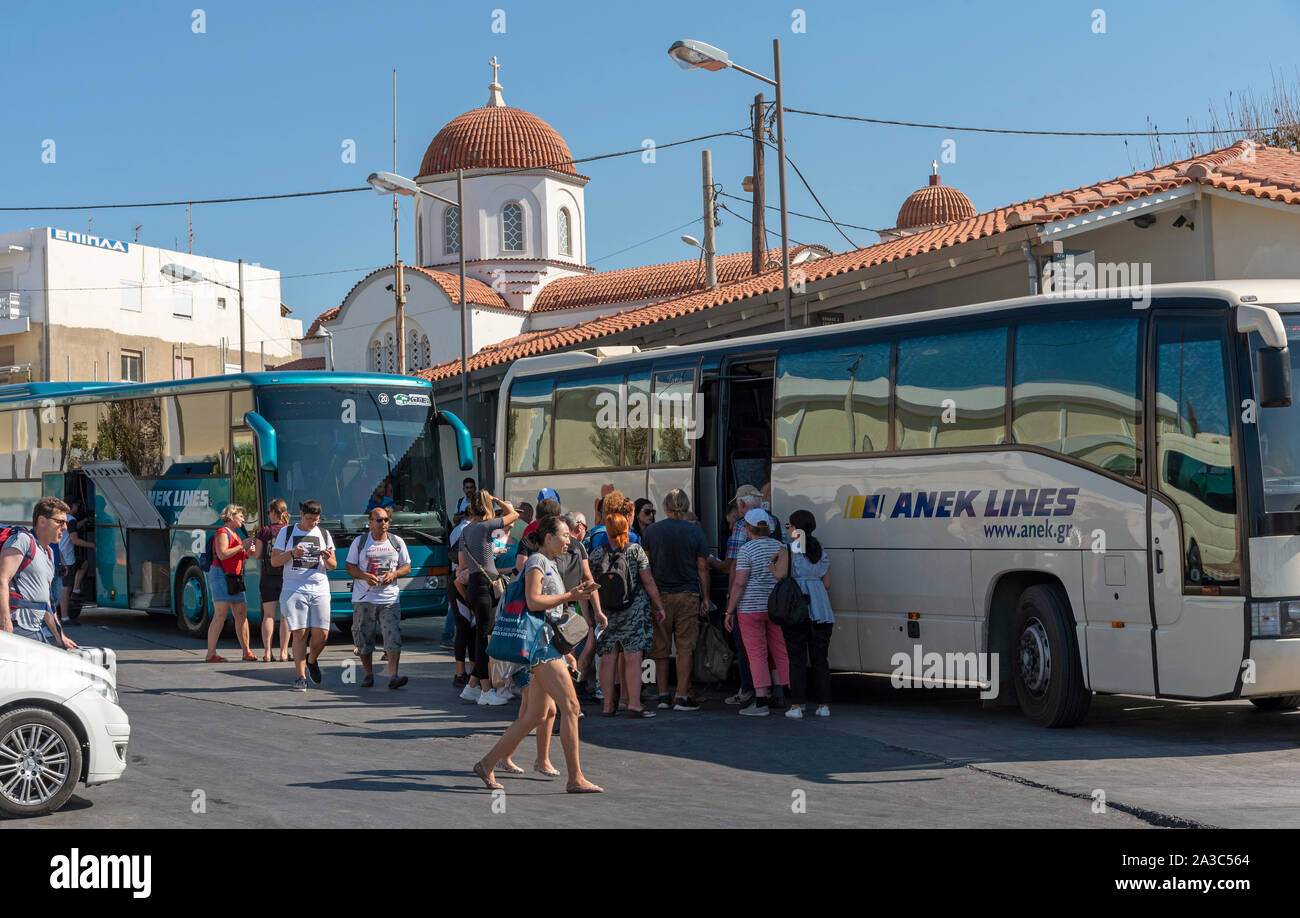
column 250, row 657
column 511, row 767
column 552, row 772
column 266, row 659
column 483, row 776
column 216, row 659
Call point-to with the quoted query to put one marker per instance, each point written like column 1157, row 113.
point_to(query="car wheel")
column 40, row 762
column 1277, row 703
column 193, row 613
column 1046, row 669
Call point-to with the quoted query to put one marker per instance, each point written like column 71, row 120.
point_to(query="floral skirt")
column 633, row 628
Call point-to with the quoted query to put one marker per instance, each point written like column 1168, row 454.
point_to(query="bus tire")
column 1277, row 703
column 193, row 613
column 53, row 771
column 1045, row 664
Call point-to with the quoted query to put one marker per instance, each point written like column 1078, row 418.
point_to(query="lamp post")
column 177, row 272
column 391, row 183
column 696, row 55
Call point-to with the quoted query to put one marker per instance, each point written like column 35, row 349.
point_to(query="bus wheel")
column 1277, row 703
column 192, row 615
column 1047, row 673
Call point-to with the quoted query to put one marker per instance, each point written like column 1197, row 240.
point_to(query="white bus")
column 981, row 479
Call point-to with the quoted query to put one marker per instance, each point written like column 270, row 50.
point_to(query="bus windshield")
column 354, row 448
column 1279, row 428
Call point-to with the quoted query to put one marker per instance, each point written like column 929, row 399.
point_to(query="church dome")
column 496, row 136
column 934, row 205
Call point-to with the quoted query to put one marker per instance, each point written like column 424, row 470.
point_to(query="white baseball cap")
column 758, row 517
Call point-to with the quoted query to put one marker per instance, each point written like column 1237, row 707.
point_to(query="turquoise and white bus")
column 159, row 461
column 1103, row 491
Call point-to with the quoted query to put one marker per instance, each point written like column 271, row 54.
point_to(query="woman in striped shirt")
column 751, row 584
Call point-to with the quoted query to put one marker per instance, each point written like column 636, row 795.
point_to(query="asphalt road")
column 217, row 745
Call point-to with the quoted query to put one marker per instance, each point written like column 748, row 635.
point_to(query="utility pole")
column 780, row 155
column 241, row 317
column 399, row 293
column 710, row 265
column 464, row 307
column 760, row 232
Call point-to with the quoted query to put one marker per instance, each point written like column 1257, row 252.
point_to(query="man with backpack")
column 679, row 562
column 375, row 561
column 27, row 575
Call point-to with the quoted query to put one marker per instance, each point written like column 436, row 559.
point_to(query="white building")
column 78, row 306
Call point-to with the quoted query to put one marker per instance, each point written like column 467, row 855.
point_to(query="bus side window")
column 528, row 440
column 951, row 390
column 6, row 446
column 831, row 401
column 197, row 433
column 588, row 429
column 674, row 409
column 1076, row 391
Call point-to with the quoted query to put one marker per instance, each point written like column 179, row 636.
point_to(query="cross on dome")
column 494, row 90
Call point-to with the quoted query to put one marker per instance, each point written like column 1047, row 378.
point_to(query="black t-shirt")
column 673, row 546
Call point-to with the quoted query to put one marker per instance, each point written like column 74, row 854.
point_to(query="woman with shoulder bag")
column 548, row 680
column 270, row 580
column 751, row 585
column 478, row 555
column 631, row 617
column 811, row 570
column 226, row 581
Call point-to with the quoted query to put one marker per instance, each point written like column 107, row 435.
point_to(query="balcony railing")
column 14, row 305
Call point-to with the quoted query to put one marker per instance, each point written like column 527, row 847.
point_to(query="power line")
column 170, row 284
column 751, row 223
column 831, row 219
column 651, row 239
column 308, row 194
column 987, row 130
column 795, row 213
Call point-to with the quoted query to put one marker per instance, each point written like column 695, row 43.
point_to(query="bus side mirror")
column 1274, row 371
column 464, row 446
column 266, row 440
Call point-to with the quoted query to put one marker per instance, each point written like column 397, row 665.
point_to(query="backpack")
column 206, row 556
column 713, row 655
column 10, row 531
column 787, row 604
column 614, row 578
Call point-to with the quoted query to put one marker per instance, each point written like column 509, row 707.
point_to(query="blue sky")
column 143, row 109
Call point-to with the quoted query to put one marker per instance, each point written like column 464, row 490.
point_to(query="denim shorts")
column 217, row 587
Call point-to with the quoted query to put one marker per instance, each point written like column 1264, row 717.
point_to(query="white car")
column 59, row 724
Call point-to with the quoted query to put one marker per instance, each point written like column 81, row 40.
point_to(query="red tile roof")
column 935, row 203
column 476, row 292
column 303, row 363
column 493, row 137
column 1274, row 174
column 649, row 282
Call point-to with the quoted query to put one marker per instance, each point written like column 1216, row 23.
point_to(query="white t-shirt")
column 381, row 558
column 309, row 571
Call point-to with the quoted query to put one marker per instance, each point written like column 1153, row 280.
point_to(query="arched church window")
column 376, row 356
column 451, row 231
column 413, row 352
column 512, row 222
column 390, row 354
column 566, row 232
column 425, row 361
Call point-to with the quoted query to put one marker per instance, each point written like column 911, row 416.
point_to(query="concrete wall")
column 1254, row 241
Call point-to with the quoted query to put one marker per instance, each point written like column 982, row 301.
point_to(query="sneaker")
column 823, row 710
column 460, row 681
column 368, row 681
column 665, row 702
column 759, row 708
column 447, row 645
column 685, row 704
column 795, row 712
column 313, row 670
column 491, row 697
column 299, row 685
column 741, row 698
column 397, row 682
column 598, row 694
column 471, row 693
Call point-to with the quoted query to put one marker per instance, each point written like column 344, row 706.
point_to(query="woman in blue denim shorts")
column 229, row 550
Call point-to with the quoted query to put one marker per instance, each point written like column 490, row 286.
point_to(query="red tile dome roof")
column 497, row 136
column 934, row 205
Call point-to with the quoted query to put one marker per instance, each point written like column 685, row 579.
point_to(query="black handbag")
column 234, row 583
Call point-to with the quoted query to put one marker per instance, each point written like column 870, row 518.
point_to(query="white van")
column 59, row 724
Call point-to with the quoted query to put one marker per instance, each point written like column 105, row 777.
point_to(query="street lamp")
column 696, row 55
column 391, row 183
column 179, row 273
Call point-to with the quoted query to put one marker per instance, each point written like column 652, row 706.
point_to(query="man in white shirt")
column 470, row 487
column 375, row 561
column 306, row 552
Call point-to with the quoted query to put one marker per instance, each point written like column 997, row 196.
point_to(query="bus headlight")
column 435, row 582
column 1290, row 618
column 1279, row 618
